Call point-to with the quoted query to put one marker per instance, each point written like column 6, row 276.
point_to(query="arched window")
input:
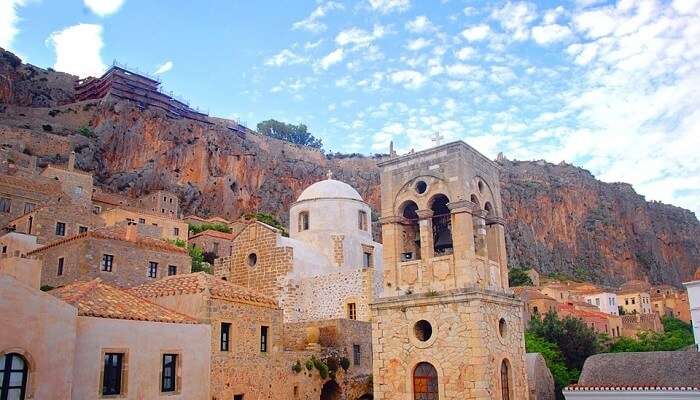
column 505, row 380
column 489, row 209
column 13, row 376
column 425, row 382
column 442, row 225
column 475, row 200
column 410, row 234
column 303, row 221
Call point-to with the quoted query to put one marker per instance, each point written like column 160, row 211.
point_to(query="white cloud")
column 103, row 8
column 313, row 23
column 359, row 37
column 465, row 53
column 8, row 22
column 78, row 50
column 418, row 44
column 410, row 79
column 476, row 33
column 165, row 67
column 332, row 58
column 285, row 57
column 515, row 18
column 312, row 45
column 420, row 24
column 387, row 6
column 547, row 34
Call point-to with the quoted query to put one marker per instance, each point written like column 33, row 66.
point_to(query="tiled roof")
column 117, row 233
column 210, row 220
column 37, row 184
column 216, row 234
column 97, row 299
column 201, row 282
column 583, row 388
column 530, row 293
column 108, row 198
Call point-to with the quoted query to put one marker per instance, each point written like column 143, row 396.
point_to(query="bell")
column 444, row 240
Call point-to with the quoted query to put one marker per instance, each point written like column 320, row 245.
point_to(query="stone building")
column 169, row 228
column 20, row 195
column 668, row 301
column 634, row 301
column 57, row 220
column 123, row 256
column 220, row 244
column 160, row 202
column 446, row 325
column 329, row 267
column 534, row 302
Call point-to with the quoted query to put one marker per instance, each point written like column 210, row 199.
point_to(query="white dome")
column 329, row 188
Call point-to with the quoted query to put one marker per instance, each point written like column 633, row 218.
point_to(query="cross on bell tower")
column 437, row 138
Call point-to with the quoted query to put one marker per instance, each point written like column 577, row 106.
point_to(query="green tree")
column 268, row 219
column 297, row 134
column 519, row 277
column 677, row 335
column 555, row 362
column 196, row 254
column 207, row 226
column 573, row 337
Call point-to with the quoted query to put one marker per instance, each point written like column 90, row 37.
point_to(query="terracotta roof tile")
column 117, row 233
column 97, row 299
column 200, row 282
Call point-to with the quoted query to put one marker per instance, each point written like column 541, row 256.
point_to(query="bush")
column 309, row 364
column 519, row 277
column 217, row 226
column 46, row 288
column 196, row 254
column 562, row 375
column 267, row 219
column 677, row 335
column 47, row 128
column 296, row 368
column 86, row 131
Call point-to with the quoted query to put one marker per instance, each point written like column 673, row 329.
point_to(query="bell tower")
column 446, row 325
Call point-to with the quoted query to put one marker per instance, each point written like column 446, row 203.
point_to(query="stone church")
column 446, row 325
column 329, row 267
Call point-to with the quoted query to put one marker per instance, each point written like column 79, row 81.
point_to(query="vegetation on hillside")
column 268, row 219
column 196, row 254
column 216, row 226
column 297, row 134
column 519, row 277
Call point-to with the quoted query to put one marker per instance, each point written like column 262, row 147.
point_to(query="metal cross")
column 329, row 174
column 437, row 138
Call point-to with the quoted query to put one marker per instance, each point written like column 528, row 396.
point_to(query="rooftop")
column 97, row 299
column 200, row 282
column 216, row 234
column 329, row 189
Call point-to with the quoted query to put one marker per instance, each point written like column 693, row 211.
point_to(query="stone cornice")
column 495, row 221
column 448, row 296
column 461, row 206
column 424, row 214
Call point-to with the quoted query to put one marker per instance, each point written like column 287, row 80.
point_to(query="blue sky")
column 609, row 86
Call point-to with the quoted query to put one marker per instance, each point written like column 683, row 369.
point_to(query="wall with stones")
column 465, row 346
column 83, row 257
column 172, row 229
column 44, row 220
column 22, row 190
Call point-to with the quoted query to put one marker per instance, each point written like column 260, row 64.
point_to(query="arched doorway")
column 505, row 380
column 13, row 376
column 330, row 391
column 442, row 225
column 425, row 382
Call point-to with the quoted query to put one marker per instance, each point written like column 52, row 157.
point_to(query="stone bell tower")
column 446, row 325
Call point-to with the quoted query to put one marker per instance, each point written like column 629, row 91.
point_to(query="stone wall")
column 44, row 220
column 465, row 346
column 171, row 228
column 22, row 190
column 635, row 323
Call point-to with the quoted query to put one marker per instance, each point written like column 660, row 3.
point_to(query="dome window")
column 303, row 221
column 362, row 220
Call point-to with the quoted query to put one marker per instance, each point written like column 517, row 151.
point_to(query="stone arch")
column 485, row 194
column 434, row 183
column 30, row 368
column 475, row 199
column 425, row 382
column 441, row 224
column 409, row 235
column 490, row 212
column 506, row 380
column 331, row 391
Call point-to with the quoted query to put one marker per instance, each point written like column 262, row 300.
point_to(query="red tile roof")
column 97, row 299
column 202, row 282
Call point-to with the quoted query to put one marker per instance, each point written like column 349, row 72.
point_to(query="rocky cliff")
column 559, row 217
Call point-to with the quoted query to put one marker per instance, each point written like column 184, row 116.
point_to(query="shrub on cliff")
column 519, row 277
column 217, row 226
column 297, row 134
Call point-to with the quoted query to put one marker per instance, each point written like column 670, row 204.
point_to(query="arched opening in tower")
column 442, row 225
column 410, row 232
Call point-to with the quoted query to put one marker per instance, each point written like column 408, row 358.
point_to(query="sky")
column 612, row 87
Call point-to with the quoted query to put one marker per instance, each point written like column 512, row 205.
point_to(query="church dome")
column 329, row 189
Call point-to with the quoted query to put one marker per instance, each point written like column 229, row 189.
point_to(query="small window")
column 633, row 301
column 172, row 270
column 165, row 199
column 152, row 269
column 96, row 209
column 535, row 310
column 176, row 231
column 356, row 354
column 352, row 311
column 169, row 374
column 423, row 330
column 4, row 249
column 367, row 260
column 29, row 207
column 13, row 376
column 60, row 229
column 142, row 220
column 59, row 271
column 303, row 221
column 5, row 204
column 112, row 374
column 82, row 229
column 162, row 210
column 130, row 221
column 263, row 339
column 252, row 259
column 216, row 248
column 225, row 332
column 597, row 301
column 107, row 262
column 502, row 327
column 237, row 397
column 362, row 220
column 421, row 187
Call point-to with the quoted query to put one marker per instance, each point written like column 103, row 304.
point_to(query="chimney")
column 71, row 161
column 131, row 232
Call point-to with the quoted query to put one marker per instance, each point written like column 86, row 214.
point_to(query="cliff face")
column 559, row 217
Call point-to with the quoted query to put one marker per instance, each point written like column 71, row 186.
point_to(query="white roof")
column 329, row 188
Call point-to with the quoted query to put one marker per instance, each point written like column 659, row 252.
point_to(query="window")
column 29, row 207
column 237, row 397
column 82, row 229
column 176, row 231
column 162, row 210
column 216, row 249
column 107, row 262
column 367, row 259
column 263, row 339
column 169, row 374
column 152, row 269
column 5, row 204
column 142, row 220
column 505, row 381
column 362, row 220
column 352, row 311
column 60, row 267
column 225, row 332
column 172, row 270
column 627, row 302
column 96, row 209
column 633, row 301
column 129, row 221
column 165, row 199
column 303, row 221
column 597, row 301
column 356, row 354
column 425, row 382
column 534, row 309
column 60, row 229
column 112, row 373
column 13, row 376
column 4, row 249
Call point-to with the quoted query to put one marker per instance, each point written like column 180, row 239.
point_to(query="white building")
column 605, row 301
column 694, row 300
